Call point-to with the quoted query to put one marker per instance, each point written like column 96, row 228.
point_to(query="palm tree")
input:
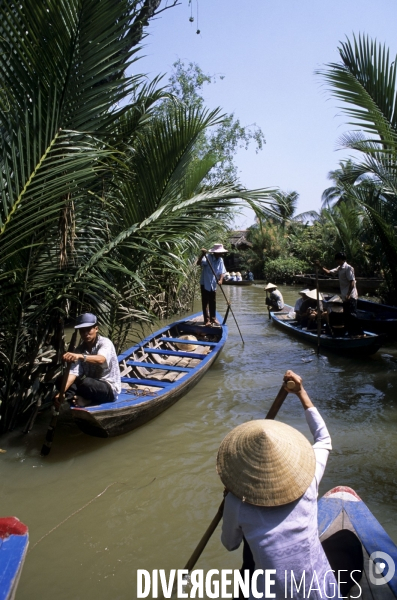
column 102, row 203
column 365, row 81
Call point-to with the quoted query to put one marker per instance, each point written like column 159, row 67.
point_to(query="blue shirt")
column 207, row 276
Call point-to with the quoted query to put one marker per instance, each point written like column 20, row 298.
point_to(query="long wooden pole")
column 46, row 447
column 318, row 313
column 268, row 307
column 224, row 295
column 275, row 407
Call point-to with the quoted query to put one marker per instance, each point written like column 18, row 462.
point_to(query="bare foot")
column 80, row 401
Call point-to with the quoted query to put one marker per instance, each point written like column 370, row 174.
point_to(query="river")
column 161, row 486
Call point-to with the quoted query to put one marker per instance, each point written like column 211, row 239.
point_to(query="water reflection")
column 163, row 486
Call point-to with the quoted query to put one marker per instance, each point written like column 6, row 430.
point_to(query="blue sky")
column 268, row 52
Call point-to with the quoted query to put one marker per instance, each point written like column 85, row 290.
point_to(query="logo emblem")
column 381, row 568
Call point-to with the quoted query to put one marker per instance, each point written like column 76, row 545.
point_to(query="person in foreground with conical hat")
column 212, row 272
column 272, row 474
column 275, row 300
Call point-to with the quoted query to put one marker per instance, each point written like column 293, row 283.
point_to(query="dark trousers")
column 352, row 324
column 98, row 392
column 208, row 302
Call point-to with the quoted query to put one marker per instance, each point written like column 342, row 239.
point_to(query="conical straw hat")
column 266, row 463
column 187, row 347
column 312, row 294
column 270, row 286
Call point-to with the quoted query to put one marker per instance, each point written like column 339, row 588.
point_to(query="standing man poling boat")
column 212, row 272
column 94, row 377
column 348, row 290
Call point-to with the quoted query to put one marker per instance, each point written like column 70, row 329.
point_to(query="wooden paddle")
column 224, row 295
column 46, row 447
column 268, row 307
column 275, row 407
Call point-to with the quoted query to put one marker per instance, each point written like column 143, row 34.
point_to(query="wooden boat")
column 154, row 374
column 244, row 282
column 341, row 513
column 343, row 345
column 14, row 541
column 375, row 317
column 365, row 285
column 378, row 318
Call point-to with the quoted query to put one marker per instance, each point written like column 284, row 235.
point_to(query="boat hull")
column 238, row 283
column 342, row 509
column 14, row 540
column 331, row 284
column 342, row 345
column 136, row 407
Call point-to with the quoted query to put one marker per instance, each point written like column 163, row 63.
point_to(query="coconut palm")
column 365, row 81
column 102, row 203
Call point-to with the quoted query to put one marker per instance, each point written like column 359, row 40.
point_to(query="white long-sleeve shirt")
column 285, row 537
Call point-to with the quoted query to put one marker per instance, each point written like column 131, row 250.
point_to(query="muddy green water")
column 162, row 488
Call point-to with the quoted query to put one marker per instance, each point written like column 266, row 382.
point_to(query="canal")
column 98, row 510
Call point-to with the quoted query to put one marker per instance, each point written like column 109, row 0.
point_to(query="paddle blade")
column 49, row 436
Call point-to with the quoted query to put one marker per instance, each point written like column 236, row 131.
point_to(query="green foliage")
column 186, row 85
column 365, row 81
column 104, row 200
column 284, row 269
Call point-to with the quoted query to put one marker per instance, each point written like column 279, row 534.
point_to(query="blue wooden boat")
column 378, row 318
column 154, row 374
column 342, row 511
column 243, row 283
column 375, row 317
column 369, row 344
column 14, row 541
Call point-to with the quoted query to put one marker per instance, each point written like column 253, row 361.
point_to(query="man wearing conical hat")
column 212, row 272
column 275, row 300
column 272, row 474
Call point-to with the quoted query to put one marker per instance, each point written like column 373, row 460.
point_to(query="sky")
column 267, row 52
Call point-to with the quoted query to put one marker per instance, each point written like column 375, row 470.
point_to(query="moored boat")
column 155, row 373
column 359, row 345
column 365, row 285
column 14, row 541
column 243, row 283
column 344, row 524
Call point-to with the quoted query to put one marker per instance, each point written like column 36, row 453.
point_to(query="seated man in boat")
column 94, row 377
column 238, row 276
column 212, row 273
column 275, row 300
column 272, row 474
column 300, row 300
column 335, row 316
column 307, row 314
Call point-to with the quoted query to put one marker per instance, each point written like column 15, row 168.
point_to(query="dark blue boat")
column 341, row 510
column 14, row 541
column 155, row 373
column 375, row 317
column 363, row 345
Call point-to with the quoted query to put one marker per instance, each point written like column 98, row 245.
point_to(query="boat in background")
column 244, row 282
column 351, row 535
column 154, row 374
column 14, row 540
column 358, row 345
column 365, row 285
